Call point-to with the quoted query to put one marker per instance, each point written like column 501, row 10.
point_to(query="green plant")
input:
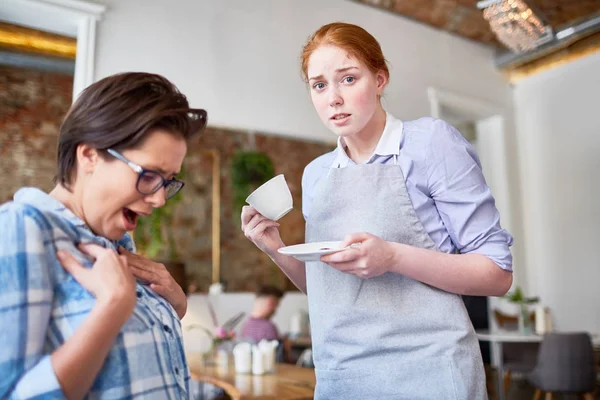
column 154, row 232
column 518, row 297
column 249, row 170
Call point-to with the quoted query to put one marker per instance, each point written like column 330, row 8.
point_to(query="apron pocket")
column 423, row 380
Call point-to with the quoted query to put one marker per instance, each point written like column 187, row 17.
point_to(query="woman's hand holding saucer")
column 373, row 257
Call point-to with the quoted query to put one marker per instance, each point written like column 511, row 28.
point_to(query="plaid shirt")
column 41, row 306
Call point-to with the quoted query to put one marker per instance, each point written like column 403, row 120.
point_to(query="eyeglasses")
column 149, row 181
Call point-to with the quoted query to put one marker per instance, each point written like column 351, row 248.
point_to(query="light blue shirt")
column 41, row 306
column 444, row 181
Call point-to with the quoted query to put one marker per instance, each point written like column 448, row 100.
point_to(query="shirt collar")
column 44, row 202
column 388, row 145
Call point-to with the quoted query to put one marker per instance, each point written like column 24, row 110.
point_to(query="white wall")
column 240, row 59
column 558, row 131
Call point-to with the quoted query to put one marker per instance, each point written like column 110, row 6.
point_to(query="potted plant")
column 517, row 297
column 222, row 336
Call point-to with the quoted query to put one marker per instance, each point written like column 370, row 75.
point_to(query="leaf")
column 213, row 316
column 231, row 323
column 518, row 297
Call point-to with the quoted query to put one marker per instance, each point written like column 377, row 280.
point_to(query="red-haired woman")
column 387, row 318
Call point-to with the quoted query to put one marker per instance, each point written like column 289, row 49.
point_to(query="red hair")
column 355, row 40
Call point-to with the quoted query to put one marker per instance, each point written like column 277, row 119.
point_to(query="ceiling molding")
column 21, row 39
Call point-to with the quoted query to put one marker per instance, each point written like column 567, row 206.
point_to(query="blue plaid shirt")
column 41, row 306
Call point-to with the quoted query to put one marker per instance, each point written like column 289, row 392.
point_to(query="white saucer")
column 311, row 251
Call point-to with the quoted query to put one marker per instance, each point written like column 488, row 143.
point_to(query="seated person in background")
column 259, row 325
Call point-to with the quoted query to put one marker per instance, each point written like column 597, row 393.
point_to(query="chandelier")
column 515, row 24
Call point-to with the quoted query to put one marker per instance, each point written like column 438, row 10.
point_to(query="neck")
column 69, row 199
column 361, row 145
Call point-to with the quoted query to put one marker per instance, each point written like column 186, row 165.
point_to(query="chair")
column 519, row 358
column 565, row 364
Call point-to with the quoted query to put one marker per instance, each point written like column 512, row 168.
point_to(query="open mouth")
column 131, row 218
column 339, row 117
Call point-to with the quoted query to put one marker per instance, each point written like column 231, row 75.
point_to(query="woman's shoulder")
column 431, row 137
column 20, row 218
column 25, row 234
column 429, row 128
column 324, row 161
column 13, row 212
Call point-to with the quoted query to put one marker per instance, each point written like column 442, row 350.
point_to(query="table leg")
column 497, row 354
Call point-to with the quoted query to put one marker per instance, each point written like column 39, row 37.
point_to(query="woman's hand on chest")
column 109, row 280
column 159, row 278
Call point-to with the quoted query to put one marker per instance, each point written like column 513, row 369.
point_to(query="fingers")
column 159, row 289
column 130, row 257
column 73, row 267
column 260, row 228
column 122, row 250
column 143, row 273
column 343, row 256
column 258, row 221
column 248, row 212
column 353, row 238
column 352, row 267
column 138, row 261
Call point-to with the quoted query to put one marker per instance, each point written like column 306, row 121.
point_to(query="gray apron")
column 388, row 337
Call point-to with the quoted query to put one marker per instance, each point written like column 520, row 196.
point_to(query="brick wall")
column 32, row 105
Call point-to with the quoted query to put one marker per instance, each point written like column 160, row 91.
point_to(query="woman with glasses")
column 75, row 322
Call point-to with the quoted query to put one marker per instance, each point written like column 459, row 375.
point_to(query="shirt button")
column 139, row 294
column 177, row 370
column 167, row 329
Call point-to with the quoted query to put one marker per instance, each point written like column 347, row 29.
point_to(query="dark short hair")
column 118, row 111
column 265, row 291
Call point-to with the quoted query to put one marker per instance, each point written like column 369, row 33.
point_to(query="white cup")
column 243, row 364
column 242, row 358
column 272, row 199
column 258, row 361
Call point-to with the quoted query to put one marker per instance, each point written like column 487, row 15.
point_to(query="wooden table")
column 288, row 382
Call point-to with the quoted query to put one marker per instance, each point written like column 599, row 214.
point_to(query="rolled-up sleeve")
column 463, row 199
column 25, row 305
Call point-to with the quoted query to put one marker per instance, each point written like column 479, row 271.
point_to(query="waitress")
column 387, row 318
